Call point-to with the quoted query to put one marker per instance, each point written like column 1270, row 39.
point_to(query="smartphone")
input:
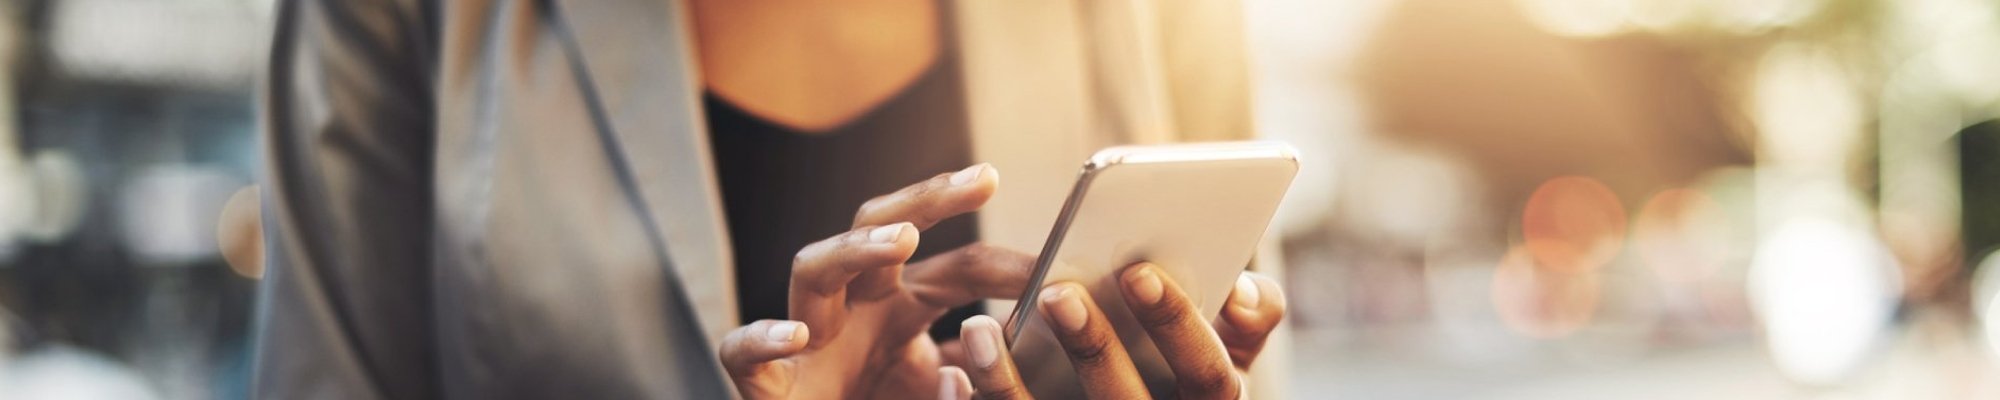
column 1196, row 210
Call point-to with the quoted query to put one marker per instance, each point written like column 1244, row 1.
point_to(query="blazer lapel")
column 640, row 58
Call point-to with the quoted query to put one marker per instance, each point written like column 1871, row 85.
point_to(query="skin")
column 864, row 307
column 860, row 308
column 813, row 65
column 1208, row 360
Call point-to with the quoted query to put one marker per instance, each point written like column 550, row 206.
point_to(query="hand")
column 1208, row 362
column 860, row 314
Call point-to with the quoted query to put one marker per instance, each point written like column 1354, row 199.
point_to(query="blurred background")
column 124, row 127
column 1506, row 199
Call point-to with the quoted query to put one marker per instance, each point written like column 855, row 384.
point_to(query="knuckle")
column 871, row 207
column 1166, row 314
column 802, row 261
column 808, row 270
column 1005, row 391
column 814, row 254
column 1212, row 385
column 976, row 253
column 1091, row 350
column 731, row 347
column 932, row 185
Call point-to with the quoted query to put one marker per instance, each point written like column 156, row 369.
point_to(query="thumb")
column 757, row 357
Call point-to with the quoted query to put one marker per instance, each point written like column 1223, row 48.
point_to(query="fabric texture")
column 443, row 223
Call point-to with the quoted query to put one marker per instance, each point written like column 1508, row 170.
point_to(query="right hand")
column 1208, row 360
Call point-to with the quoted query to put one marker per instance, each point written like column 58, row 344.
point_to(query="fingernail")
column 953, row 384
column 946, row 388
column 887, row 233
column 1065, row 307
column 1144, row 282
column 1246, row 292
column 783, row 332
column 982, row 340
column 968, row 174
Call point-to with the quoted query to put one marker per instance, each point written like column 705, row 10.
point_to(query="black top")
column 783, row 189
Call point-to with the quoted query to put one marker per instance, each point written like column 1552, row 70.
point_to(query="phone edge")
column 1103, row 160
column 1044, row 261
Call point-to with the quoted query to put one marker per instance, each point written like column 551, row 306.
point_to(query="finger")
column 953, row 384
column 1201, row 368
column 1254, row 309
column 936, row 199
column 951, row 352
column 755, row 357
column 967, row 274
column 821, row 272
column 1094, row 349
column 991, row 370
column 924, row 204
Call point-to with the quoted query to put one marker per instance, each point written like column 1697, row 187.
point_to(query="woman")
column 500, row 199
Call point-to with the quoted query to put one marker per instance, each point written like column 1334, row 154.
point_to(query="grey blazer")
column 449, row 217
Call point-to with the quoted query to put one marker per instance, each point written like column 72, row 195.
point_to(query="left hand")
column 1208, row 360
column 860, row 312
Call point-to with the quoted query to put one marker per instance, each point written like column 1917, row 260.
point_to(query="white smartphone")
column 1196, row 210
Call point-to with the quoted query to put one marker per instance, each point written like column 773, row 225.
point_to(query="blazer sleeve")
column 344, row 306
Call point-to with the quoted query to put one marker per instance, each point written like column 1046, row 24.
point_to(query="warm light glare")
column 1825, row 292
column 1596, row 18
column 1806, row 109
column 1573, row 224
column 1585, row 18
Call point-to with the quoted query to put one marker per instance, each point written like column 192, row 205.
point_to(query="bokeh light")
column 1598, row 18
column 1583, row 18
column 1757, row 16
column 70, row 373
column 1806, row 110
column 61, row 192
column 1572, row 224
column 1825, row 292
column 1682, row 235
column 167, row 214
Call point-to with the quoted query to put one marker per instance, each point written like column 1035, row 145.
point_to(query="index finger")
column 924, row 205
column 936, row 199
column 823, row 271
